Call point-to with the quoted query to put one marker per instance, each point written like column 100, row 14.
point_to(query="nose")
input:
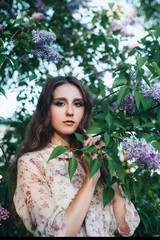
column 69, row 110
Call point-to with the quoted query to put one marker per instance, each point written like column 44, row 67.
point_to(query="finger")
column 87, row 135
column 96, row 141
column 88, row 142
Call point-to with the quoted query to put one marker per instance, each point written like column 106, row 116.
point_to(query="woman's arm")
column 120, row 209
column 118, row 200
column 77, row 210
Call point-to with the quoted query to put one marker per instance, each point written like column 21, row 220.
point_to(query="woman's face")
column 67, row 110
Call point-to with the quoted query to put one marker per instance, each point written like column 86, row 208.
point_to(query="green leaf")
column 15, row 63
column 118, row 123
column 58, row 151
column 109, row 118
column 150, row 67
column 136, row 122
column 119, row 81
column 2, row 91
column 147, row 102
column 139, row 180
column 91, row 148
column 108, row 194
column 72, row 166
column 139, row 74
column 18, row 21
column 120, row 170
column 146, row 80
column 137, row 98
column 106, row 139
column 136, row 189
column 95, row 166
column 122, row 93
column 111, row 5
column 112, row 167
column 156, row 68
column 93, row 130
column 2, row 58
column 80, row 137
column 141, row 61
column 88, row 157
column 32, row 77
column 148, row 125
column 126, row 190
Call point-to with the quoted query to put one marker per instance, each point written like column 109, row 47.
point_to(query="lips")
column 69, row 122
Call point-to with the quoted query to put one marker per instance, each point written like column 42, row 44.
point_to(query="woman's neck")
column 63, row 139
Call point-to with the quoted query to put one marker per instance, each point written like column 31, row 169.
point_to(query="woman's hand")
column 92, row 141
column 88, row 142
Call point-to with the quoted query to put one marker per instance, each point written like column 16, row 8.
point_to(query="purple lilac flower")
column 39, row 4
column 143, row 152
column 43, row 37
column 1, row 27
column 4, row 214
column 47, row 52
column 153, row 92
column 128, row 104
column 73, row 5
column 24, row 58
column 37, row 16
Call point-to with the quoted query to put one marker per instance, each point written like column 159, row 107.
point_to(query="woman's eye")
column 78, row 104
column 59, row 104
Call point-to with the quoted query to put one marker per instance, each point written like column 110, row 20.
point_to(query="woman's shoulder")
column 40, row 156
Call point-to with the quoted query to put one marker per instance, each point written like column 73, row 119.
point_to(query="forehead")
column 67, row 90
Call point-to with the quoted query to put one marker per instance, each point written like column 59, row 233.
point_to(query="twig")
column 105, row 98
column 7, row 162
column 149, row 203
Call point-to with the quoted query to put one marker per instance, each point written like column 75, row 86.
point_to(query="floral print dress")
column 44, row 192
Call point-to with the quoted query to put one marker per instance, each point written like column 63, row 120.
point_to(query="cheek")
column 80, row 115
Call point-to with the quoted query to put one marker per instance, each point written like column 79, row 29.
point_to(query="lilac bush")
column 4, row 214
column 128, row 104
column 143, row 152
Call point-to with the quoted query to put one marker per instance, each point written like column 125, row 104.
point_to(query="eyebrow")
column 62, row 98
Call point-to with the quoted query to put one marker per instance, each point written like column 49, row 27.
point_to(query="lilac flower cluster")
column 128, row 104
column 4, row 214
column 143, row 152
column 47, row 53
column 153, row 92
column 41, row 39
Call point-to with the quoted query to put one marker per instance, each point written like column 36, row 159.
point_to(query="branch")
column 105, row 98
column 7, row 162
column 149, row 203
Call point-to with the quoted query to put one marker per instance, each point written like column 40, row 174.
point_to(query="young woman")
column 45, row 199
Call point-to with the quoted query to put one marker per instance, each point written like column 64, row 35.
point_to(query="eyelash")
column 77, row 104
column 59, row 104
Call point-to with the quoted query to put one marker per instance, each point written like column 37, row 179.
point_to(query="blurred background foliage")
column 97, row 46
